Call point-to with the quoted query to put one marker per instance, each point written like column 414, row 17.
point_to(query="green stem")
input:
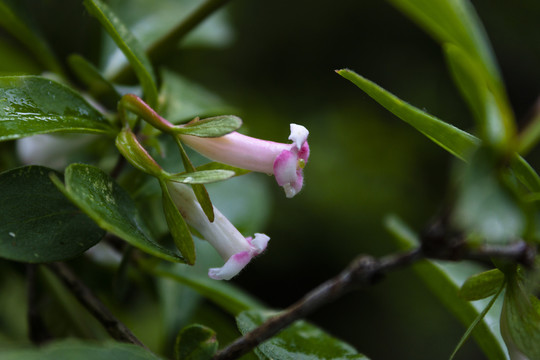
column 137, row 106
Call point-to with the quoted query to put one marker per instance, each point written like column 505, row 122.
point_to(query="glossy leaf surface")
column 38, row 223
column 32, row 105
column 110, row 206
column 299, row 341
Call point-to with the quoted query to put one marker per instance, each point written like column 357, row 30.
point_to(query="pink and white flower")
column 285, row 161
column 234, row 248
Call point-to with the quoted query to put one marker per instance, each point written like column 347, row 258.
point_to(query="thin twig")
column 86, row 297
column 361, row 273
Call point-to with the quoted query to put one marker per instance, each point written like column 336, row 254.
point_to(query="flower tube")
column 235, row 249
column 285, row 161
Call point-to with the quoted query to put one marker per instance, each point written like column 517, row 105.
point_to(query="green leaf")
column 110, row 206
column 480, row 286
column 224, row 294
column 455, row 25
column 521, row 319
column 210, row 127
column 32, row 105
column 445, row 279
column 458, row 142
column 12, row 22
column 129, row 45
column 299, row 341
column 184, row 100
column 202, row 177
column 476, row 321
column 214, row 165
column 38, row 223
column 195, row 342
column 136, row 154
column 81, row 350
column 92, row 78
column 200, row 191
column 485, row 205
column 177, row 226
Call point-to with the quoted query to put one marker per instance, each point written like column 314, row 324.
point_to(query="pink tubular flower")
column 285, row 161
column 235, row 249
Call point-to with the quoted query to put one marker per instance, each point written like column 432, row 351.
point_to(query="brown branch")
column 86, row 297
column 363, row 272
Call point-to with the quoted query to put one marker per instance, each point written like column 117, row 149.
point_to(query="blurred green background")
column 277, row 67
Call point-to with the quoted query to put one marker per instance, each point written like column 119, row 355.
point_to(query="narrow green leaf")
column 12, row 22
column 127, row 143
column 456, row 141
column 224, row 294
column 454, row 23
column 483, row 285
column 32, row 105
column 202, row 177
column 219, row 166
column 38, row 223
column 445, row 280
column 494, row 128
column 200, row 191
column 467, row 75
column 195, row 342
column 81, row 350
column 211, row 127
column 129, row 45
column 476, row 321
column 92, row 78
column 110, row 206
column 177, row 226
column 521, row 319
column 299, row 341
